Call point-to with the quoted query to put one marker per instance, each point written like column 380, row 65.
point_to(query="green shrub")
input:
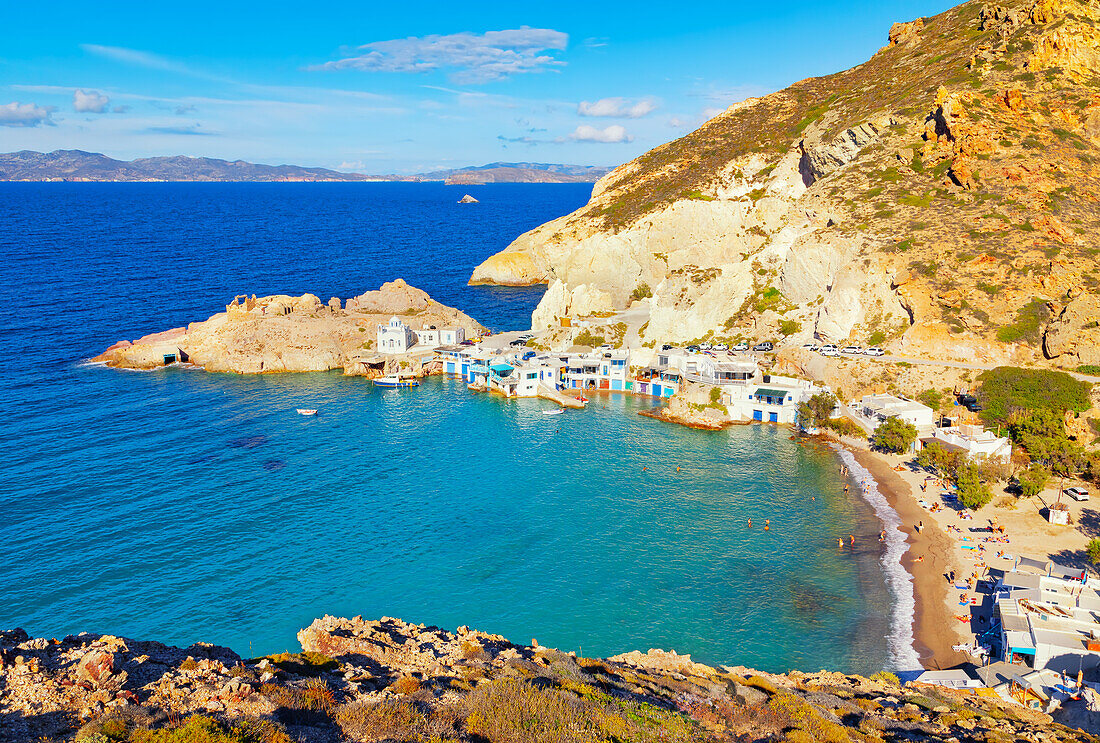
column 886, row 677
column 1090, row 369
column 894, row 435
column 1093, row 551
column 1028, row 326
column 1007, row 391
column 202, row 729
column 642, row 291
column 845, row 427
column 789, row 327
column 584, row 338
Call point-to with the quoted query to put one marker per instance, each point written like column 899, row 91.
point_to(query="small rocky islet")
column 390, row 680
column 281, row 333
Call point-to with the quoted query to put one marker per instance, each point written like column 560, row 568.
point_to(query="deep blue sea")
column 184, row 506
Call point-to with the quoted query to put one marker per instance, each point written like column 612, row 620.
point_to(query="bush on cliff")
column 1093, row 551
column 303, row 664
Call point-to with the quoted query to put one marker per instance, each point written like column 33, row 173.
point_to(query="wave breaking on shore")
column 900, row 641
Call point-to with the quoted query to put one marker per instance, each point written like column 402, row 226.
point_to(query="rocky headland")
column 389, row 680
column 939, row 199
column 291, row 334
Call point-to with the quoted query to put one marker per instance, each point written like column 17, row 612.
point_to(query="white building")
column 395, row 337
column 773, row 399
column 974, row 441
column 602, row 369
column 452, row 336
column 1050, row 618
column 878, row 408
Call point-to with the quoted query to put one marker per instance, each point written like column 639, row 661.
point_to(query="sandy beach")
column 944, row 540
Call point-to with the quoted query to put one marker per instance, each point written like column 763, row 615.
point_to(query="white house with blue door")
column 774, row 399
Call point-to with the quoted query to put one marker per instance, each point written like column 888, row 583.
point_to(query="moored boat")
column 394, row 381
column 306, row 411
column 557, row 411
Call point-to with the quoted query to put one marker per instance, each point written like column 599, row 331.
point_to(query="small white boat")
column 557, row 411
column 393, row 381
column 306, row 411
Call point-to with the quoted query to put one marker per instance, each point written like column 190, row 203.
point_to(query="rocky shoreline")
column 281, row 333
column 360, row 680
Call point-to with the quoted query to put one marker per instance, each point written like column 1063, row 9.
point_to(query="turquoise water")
column 234, row 520
column 184, row 506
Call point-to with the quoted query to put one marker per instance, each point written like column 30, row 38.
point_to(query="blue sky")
column 406, row 87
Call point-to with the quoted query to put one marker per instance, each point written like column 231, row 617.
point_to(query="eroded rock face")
column 289, row 334
column 833, row 189
column 1074, row 338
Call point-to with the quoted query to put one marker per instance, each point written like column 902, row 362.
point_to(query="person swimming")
column 750, row 523
column 851, row 540
column 840, row 542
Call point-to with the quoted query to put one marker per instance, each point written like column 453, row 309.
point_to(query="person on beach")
column 882, row 536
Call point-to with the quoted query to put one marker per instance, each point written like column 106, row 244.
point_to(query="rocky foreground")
column 292, row 334
column 388, row 680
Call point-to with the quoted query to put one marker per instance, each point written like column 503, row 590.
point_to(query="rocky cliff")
column 390, row 680
column 940, row 197
column 290, row 334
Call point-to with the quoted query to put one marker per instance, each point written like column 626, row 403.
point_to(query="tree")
column 1093, row 550
column 1007, row 391
column 1033, row 480
column 821, row 407
column 938, row 458
column 973, row 492
column 894, row 435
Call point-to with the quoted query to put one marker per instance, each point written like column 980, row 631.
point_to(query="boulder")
column 395, row 297
column 468, row 199
column 1074, row 338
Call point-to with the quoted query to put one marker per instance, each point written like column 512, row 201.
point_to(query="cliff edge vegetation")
column 390, row 680
column 939, row 198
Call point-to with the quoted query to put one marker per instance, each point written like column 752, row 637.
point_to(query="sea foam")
column 900, row 641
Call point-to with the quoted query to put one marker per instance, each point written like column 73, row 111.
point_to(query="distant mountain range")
column 77, row 165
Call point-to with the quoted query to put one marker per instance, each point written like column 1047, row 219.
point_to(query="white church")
column 397, row 337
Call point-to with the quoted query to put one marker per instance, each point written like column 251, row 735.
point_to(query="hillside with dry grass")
column 941, row 196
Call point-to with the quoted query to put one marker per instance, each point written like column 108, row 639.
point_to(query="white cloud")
column 475, row 58
column 617, row 108
column 611, row 135
column 25, row 114
column 90, row 102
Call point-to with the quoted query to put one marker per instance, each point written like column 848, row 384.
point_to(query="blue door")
column 773, row 417
column 758, row 415
column 656, row 390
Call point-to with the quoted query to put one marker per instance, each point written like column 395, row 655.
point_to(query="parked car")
column 666, row 347
column 974, row 407
column 1077, row 493
column 765, row 346
column 874, row 351
column 742, row 346
column 518, row 342
column 692, row 349
column 965, row 400
column 852, row 350
column 704, row 346
column 721, row 347
column 829, row 350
